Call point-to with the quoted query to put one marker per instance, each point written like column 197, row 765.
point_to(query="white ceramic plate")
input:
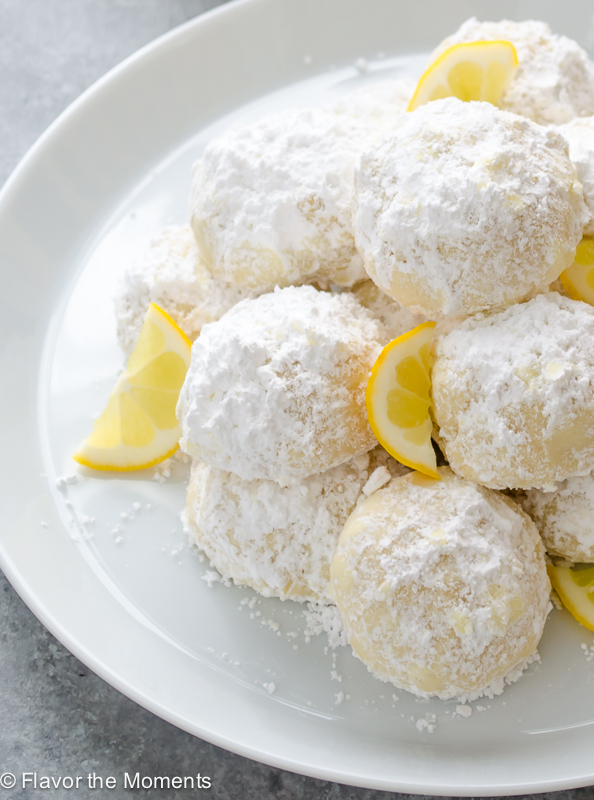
column 124, row 593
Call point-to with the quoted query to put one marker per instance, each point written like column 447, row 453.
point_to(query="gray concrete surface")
column 56, row 716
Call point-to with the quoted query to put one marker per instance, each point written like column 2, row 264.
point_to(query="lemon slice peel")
column 575, row 587
column 469, row 71
column 578, row 279
column 138, row 427
column 398, row 399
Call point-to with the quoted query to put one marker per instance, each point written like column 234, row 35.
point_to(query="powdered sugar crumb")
column 325, row 618
column 66, row 480
column 212, row 576
column 426, row 723
column 378, row 478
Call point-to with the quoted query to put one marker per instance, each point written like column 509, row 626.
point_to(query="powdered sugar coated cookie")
column 271, row 201
column 172, row 274
column 465, row 208
column 554, row 81
column 276, row 387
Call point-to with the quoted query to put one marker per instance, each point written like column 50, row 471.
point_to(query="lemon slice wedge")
column 468, row 71
column 575, row 587
column 399, row 397
column 579, row 278
column 138, row 427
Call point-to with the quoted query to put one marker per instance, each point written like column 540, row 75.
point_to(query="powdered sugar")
column 271, row 201
column 554, row 81
column 172, row 274
column 324, row 618
column 379, row 105
column 466, row 207
column 279, row 541
column 378, row 478
column 276, row 387
column 441, row 585
column 565, row 518
column 513, row 394
column 580, row 137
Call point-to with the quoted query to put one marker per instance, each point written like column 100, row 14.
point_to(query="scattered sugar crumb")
column 334, row 676
column 464, row 711
column 361, row 65
column 136, row 506
column 588, row 651
column 162, row 471
column 340, row 697
column 323, row 618
column 270, row 687
column 44, row 524
column 378, row 478
column 210, row 578
column 66, row 480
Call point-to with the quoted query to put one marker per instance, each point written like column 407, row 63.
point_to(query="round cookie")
column 565, row 518
column 271, row 201
column 279, row 541
column 377, row 104
column 466, row 208
column 276, row 387
column 441, row 585
column 171, row 274
column 580, row 136
column 554, row 81
column 513, row 394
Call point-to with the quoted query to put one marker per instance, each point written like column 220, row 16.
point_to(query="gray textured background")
column 56, row 716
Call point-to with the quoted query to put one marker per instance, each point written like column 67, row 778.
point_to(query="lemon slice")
column 399, row 397
column 575, row 587
column 468, row 71
column 579, row 278
column 138, row 427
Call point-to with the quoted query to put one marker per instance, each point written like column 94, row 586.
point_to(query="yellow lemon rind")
column 569, row 594
column 396, row 453
column 170, row 321
column 427, row 83
column 574, row 278
column 570, row 287
column 164, row 342
column 108, row 466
